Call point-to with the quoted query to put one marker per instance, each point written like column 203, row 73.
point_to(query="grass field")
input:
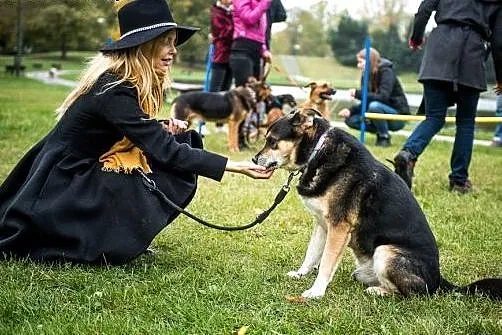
column 202, row 281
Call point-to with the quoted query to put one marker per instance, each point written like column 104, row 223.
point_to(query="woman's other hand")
column 175, row 126
column 249, row 169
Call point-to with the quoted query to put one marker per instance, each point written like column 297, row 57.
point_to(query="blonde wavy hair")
column 134, row 65
column 375, row 63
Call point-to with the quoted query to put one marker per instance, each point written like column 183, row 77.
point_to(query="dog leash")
column 151, row 186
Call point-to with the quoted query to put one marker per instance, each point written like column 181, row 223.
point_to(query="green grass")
column 203, row 281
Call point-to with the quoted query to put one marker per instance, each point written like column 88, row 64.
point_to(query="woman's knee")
column 376, row 107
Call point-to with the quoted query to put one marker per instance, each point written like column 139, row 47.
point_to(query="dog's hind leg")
column 337, row 238
column 397, row 273
column 313, row 254
column 364, row 271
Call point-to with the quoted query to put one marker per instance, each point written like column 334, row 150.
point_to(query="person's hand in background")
column 344, row 113
column 415, row 45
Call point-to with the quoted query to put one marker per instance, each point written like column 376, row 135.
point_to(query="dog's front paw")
column 313, row 293
column 297, row 274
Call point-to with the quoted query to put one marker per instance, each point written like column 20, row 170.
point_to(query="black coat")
column 457, row 48
column 275, row 13
column 57, row 203
column 388, row 90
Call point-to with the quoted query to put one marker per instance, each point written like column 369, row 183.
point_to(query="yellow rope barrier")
column 378, row 116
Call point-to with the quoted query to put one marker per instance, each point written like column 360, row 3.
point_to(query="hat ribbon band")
column 164, row 24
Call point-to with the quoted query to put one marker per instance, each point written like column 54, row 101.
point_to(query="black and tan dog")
column 232, row 106
column 320, row 94
column 360, row 203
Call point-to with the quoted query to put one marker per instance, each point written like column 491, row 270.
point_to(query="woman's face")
column 361, row 62
column 166, row 52
column 226, row 2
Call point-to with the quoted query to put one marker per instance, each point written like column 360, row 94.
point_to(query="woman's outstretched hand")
column 249, row 169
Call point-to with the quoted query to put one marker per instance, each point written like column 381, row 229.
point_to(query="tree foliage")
column 305, row 35
column 347, row 39
column 86, row 25
column 194, row 13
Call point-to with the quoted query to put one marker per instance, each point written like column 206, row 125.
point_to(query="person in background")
column 385, row 95
column 497, row 137
column 248, row 48
column 249, row 39
column 453, row 70
column 275, row 13
column 81, row 194
column 222, row 28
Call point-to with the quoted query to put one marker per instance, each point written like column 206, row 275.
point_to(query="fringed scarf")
column 124, row 157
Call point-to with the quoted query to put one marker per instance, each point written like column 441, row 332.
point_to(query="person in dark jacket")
column 453, row 71
column 385, row 95
column 222, row 28
column 275, row 13
column 79, row 194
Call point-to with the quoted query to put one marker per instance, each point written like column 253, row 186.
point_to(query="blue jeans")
column 380, row 127
column 437, row 96
column 498, row 112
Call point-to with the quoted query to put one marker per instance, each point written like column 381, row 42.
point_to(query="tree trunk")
column 64, row 51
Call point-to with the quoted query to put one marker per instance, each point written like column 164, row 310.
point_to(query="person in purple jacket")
column 249, row 39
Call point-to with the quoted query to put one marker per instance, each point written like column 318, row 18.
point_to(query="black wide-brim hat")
column 141, row 21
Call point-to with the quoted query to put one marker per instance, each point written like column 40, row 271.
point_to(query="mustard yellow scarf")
column 124, row 157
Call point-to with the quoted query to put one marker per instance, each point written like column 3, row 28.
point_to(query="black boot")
column 404, row 164
column 383, row 141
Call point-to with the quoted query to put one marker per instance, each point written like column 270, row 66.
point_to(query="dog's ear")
column 312, row 84
column 304, row 118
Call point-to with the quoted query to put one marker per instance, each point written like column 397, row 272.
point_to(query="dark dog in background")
column 232, row 106
column 276, row 106
column 360, row 203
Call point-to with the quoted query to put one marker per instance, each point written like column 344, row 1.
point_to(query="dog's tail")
column 491, row 287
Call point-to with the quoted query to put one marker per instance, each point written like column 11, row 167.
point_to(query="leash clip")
column 149, row 183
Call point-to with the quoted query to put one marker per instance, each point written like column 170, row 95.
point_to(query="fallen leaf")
column 296, row 298
column 242, row 330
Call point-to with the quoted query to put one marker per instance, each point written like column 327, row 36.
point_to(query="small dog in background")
column 232, row 106
column 320, row 94
column 277, row 106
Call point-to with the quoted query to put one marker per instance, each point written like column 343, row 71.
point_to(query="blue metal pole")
column 208, row 67
column 366, row 76
column 207, row 79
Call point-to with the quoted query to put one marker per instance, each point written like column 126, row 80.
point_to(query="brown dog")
column 232, row 106
column 320, row 94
